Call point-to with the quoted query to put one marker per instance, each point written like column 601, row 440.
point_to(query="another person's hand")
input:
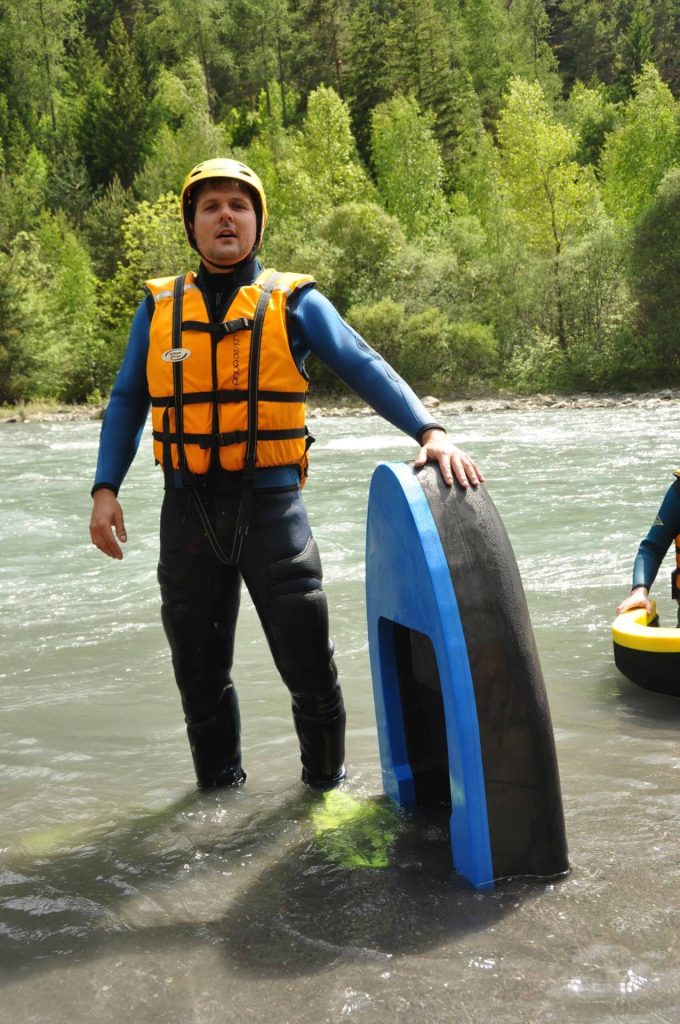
column 636, row 599
column 106, row 523
column 437, row 447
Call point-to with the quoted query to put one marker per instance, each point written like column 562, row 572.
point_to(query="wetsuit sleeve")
column 654, row 546
column 316, row 326
column 127, row 410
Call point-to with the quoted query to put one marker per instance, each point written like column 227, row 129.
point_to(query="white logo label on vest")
column 176, row 355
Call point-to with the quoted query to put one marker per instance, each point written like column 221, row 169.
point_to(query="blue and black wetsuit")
column 314, row 326
column 279, row 560
column 655, row 545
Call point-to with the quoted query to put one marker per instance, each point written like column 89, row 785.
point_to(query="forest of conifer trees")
column 488, row 190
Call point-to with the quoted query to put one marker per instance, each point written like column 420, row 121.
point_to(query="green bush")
column 537, row 364
column 428, row 350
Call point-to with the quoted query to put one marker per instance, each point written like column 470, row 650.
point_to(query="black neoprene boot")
column 322, row 744
column 216, row 752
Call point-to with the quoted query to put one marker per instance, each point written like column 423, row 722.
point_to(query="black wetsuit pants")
column 281, row 568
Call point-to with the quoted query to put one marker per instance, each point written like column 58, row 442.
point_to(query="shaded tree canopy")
column 486, row 186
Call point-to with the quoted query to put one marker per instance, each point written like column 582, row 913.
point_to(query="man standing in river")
column 219, row 356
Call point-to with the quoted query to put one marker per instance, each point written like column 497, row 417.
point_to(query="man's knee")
column 301, row 573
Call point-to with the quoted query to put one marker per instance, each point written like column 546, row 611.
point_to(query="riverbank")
column 334, row 405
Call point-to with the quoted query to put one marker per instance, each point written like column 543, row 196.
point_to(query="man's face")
column 225, row 223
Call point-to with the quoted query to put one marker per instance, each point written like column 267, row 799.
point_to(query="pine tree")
column 532, row 57
column 320, row 29
column 34, row 36
column 636, row 45
column 421, row 62
column 486, row 52
column 114, row 119
column 666, row 28
column 584, row 34
column 367, row 79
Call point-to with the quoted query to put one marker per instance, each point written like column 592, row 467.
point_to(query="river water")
column 125, row 894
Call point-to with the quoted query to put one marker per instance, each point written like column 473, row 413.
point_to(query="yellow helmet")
column 222, row 167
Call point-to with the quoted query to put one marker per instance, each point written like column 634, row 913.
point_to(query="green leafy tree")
column 654, row 275
column 428, row 349
column 258, row 49
column 327, row 169
column 67, row 187
column 637, row 155
column 369, row 244
column 22, row 195
column 173, row 37
column 554, row 198
column 61, row 322
column 154, row 245
column 99, row 15
column 457, row 273
column 408, row 165
column 592, row 117
column 275, row 154
column 474, row 171
column 666, row 22
column 17, row 355
column 186, row 132
column 599, row 309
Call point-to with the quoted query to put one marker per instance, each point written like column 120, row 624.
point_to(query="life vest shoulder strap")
column 285, row 282
column 160, row 288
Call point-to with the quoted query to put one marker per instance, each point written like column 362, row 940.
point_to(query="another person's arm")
column 317, row 327
column 652, row 551
column 122, row 428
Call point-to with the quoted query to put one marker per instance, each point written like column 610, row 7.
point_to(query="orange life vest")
column 225, row 394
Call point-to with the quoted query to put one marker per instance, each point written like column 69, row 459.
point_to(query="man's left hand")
column 436, row 447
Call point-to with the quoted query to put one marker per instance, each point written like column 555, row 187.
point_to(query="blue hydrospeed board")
column 460, row 700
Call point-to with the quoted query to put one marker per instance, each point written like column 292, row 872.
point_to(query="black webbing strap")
column 228, row 397
column 223, row 440
column 218, row 330
column 248, row 478
column 178, row 299
column 245, row 504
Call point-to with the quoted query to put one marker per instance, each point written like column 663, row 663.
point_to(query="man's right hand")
column 637, row 599
column 106, row 523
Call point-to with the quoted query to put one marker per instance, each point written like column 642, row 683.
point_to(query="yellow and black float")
column 645, row 652
column 461, row 707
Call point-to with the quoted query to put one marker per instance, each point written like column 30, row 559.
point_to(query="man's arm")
column 122, row 428
column 317, row 327
column 652, row 550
